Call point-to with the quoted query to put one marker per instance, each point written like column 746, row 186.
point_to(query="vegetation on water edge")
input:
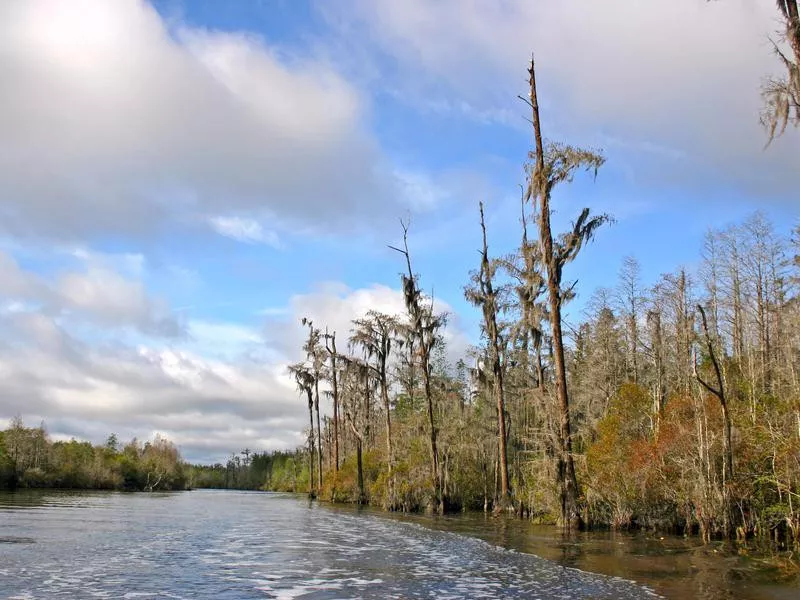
column 674, row 406
column 30, row 459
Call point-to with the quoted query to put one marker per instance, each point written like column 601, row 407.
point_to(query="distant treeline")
column 30, row 459
column 272, row 471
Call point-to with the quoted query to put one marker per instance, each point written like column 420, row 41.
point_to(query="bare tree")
column 483, row 294
column 424, row 324
column 316, row 357
column 553, row 165
column 657, row 360
column 330, row 347
column 719, row 392
column 630, row 301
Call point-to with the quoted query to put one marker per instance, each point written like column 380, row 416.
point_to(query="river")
column 239, row 545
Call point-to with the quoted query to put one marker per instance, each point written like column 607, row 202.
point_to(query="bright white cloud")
column 17, row 285
column 113, row 123
column 109, row 299
column 131, row 264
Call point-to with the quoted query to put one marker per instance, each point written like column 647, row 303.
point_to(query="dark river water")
column 231, row 545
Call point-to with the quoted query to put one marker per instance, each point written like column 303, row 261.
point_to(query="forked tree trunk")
column 359, row 440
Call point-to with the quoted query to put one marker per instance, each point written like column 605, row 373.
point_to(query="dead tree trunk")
column 486, row 297
column 570, row 511
column 335, row 393
column 424, row 325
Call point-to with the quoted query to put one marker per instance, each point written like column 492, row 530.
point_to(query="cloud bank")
column 115, row 123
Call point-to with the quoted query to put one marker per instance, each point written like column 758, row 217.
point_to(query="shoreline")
column 672, row 566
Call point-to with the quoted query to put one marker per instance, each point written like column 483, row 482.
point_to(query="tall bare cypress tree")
column 315, row 355
column 554, row 164
column 330, row 346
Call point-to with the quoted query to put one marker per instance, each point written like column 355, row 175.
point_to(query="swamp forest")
column 674, row 407
column 669, row 407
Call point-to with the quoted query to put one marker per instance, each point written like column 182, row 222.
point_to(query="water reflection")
column 674, row 566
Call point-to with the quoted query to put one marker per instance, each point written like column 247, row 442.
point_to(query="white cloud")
column 108, row 299
column 226, row 341
column 96, row 295
column 131, row 264
column 244, row 230
column 113, row 123
column 335, row 305
column 222, row 388
column 19, row 285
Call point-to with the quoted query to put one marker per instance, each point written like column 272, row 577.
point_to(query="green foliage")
column 8, row 476
column 29, row 459
column 277, row 471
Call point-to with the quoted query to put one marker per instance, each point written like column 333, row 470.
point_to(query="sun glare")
column 76, row 34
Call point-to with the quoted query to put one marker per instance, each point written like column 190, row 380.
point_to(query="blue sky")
column 184, row 179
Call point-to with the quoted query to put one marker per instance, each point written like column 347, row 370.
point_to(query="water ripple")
column 231, row 545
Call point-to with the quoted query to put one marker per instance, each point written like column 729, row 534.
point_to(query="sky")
column 181, row 181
